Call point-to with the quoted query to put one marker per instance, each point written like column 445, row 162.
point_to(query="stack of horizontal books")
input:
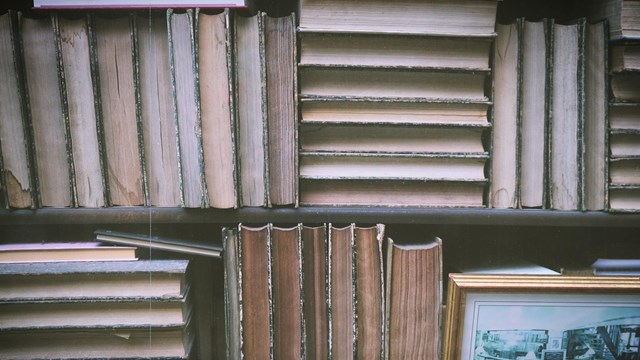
column 394, row 105
column 109, row 305
column 624, row 101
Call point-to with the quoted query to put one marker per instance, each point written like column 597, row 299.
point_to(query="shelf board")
column 309, row 214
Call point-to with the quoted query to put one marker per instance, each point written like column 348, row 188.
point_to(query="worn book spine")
column 160, row 148
column 341, row 286
column 314, row 291
column 506, row 118
column 286, row 275
column 533, row 114
column 117, row 76
column 280, row 61
column 256, row 313
column 215, row 75
column 250, row 82
column 595, row 144
column 72, row 42
column 50, row 137
column 18, row 183
column 186, row 107
column 233, row 307
column 369, row 291
column 413, row 300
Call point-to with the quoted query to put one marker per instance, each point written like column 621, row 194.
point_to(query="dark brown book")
column 369, row 291
column 341, row 300
column 314, row 261
column 280, row 55
column 286, row 286
column 255, row 295
column 414, row 300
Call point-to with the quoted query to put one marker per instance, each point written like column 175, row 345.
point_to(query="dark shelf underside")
column 387, row 215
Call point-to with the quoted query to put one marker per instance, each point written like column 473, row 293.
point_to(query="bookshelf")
column 571, row 238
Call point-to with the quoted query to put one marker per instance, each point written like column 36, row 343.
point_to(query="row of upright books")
column 178, row 108
column 417, row 103
column 322, row 292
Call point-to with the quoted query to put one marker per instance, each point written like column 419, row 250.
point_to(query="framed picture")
column 513, row 317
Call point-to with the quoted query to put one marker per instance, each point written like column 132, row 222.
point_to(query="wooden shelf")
column 387, row 215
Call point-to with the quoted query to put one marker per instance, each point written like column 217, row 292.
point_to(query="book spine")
column 387, row 303
column 546, row 186
column 241, row 316
column 204, row 196
column 380, row 233
column 607, row 124
column 230, row 35
column 73, row 190
column 95, row 77
column 329, row 273
column 518, row 179
column 581, row 113
column 263, row 105
column 231, row 265
column 135, row 51
column 270, row 283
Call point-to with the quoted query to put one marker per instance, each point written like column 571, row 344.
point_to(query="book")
column 81, row 4
column 534, row 113
column 186, row 106
column 34, row 316
column 72, row 42
column 50, row 137
column 17, row 180
column 566, row 122
column 217, row 106
column 625, row 57
column 622, row 16
column 286, row 288
column 113, row 55
column 251, row 100
column 158, row 243
column 369, row 291
column 119, row 343
column 395, row 83
column 616, row 267
column 594, row 151
column 506, row 116
column 107, row 280
column 340, row 297
column 392, row 138
column 314, row 289
column 401, row 51
column 392, row 193
column 413, row 300
column 281, row 82
column 389, row 166
column 232, row 288
column 256, row 294
column 624, row 157
column 56, row 252
column 624, row 86
column 156, row 110
column 475, row 18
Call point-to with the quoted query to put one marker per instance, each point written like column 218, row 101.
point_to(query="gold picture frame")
column 496, row 317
